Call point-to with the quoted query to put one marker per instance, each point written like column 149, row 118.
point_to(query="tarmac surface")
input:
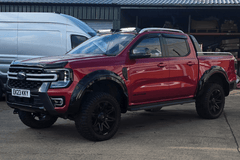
column 175, row 132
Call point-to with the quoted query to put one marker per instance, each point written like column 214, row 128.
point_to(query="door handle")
column 190, row 63
column 162, row 64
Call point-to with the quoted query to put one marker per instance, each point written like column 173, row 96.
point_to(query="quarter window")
column 177, row 47
column 152, row 45
column 76, row 40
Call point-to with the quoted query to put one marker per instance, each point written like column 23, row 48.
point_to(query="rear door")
column 149, row 76
column 183, row 66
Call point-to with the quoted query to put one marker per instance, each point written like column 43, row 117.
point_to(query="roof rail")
column 130, row 29
column 160, row 29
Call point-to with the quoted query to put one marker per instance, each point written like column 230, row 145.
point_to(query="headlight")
column 64, row 77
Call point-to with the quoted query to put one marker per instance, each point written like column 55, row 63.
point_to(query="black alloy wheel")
column 104, row 118
column 216, row 101
column 211, row 103
column 99, row 118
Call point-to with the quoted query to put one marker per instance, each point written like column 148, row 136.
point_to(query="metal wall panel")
column 90, row 12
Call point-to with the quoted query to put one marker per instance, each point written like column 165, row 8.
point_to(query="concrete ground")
column 175, row 132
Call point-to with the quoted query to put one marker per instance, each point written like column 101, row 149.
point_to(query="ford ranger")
column 116, row 72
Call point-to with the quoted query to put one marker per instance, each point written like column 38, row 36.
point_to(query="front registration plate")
column 21, row 92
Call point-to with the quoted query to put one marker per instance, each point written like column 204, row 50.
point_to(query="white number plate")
column 21, row 92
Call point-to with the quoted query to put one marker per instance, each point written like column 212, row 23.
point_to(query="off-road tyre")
column 210, row 104
column 99, row 118
column 36, row 120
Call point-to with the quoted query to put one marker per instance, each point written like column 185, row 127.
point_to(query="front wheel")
column 211, row 104
column 99, row 118
column 36, row 120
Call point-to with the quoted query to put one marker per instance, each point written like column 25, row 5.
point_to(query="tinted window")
column 76, row 40
column 109, row 44
column 177, row 47
column 152, row 45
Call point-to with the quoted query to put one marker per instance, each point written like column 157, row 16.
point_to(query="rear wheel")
column 36, row 120
column 99, row 118
column 211, row 104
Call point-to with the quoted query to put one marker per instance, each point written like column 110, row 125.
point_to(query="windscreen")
column 111, row 44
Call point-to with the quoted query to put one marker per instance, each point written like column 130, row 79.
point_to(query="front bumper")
column 39, row 101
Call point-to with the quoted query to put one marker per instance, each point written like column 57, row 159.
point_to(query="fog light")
column 57, row 102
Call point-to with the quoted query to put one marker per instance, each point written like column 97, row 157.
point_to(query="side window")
column 151, row 45
column 76, row 40
column 177, row 47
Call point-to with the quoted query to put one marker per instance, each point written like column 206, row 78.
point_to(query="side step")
column 160, row 104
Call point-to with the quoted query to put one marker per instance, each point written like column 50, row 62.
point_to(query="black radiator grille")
column 14, row 83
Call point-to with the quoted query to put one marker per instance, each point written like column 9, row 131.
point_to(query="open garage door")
column 97, row 25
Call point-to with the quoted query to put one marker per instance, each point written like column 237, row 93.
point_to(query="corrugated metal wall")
column 104, row 13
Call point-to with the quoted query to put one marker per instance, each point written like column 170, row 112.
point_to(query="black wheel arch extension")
column 88, row 81
column 215, row 74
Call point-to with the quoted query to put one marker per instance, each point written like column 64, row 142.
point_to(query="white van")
column 30, row 35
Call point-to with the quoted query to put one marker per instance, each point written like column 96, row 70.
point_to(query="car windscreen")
column 110, row 44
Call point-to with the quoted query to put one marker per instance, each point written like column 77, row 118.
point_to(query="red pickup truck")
column 116, row 72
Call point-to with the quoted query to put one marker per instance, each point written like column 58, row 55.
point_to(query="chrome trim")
column 58, row 99
column 39, row 69
column 160, row 29
column 13, row 74
column 44, row 87
column 38, row 77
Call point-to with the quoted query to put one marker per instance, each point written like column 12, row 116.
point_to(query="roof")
column 61, row 1
column 137, row 2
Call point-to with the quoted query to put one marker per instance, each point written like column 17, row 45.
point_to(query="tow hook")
column 15, row 111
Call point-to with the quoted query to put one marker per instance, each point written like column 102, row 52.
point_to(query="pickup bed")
column 116, row 72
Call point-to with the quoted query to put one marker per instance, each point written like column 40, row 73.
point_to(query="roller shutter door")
column 97, row 25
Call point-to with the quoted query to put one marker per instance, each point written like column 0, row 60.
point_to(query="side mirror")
column 140, row 53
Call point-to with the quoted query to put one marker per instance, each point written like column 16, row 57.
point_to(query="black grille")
column 26, row 70
column 13, row 83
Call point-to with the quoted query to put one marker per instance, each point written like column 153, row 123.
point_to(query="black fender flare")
column 207, row 75
column 88, row 81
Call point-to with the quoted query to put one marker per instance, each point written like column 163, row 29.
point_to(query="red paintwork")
column 151, row 79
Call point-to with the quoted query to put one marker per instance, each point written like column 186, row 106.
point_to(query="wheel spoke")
column 216, row 106
column 217, row 95
column 218, row 101
column 95, row 123
column 105, row 124
column 214, row 109
column 101, row 127
column 110, row 119
column 109, row 111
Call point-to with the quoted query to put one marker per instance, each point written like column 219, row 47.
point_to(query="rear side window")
column 177, row 47
column 76, row 40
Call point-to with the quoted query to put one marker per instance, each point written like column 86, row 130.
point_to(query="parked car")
column 117, row 72
column 31, row 35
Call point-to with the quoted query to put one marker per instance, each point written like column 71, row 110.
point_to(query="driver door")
column 149, row 76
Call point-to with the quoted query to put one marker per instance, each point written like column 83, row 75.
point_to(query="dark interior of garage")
column 188, row 20
column 215, row 28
